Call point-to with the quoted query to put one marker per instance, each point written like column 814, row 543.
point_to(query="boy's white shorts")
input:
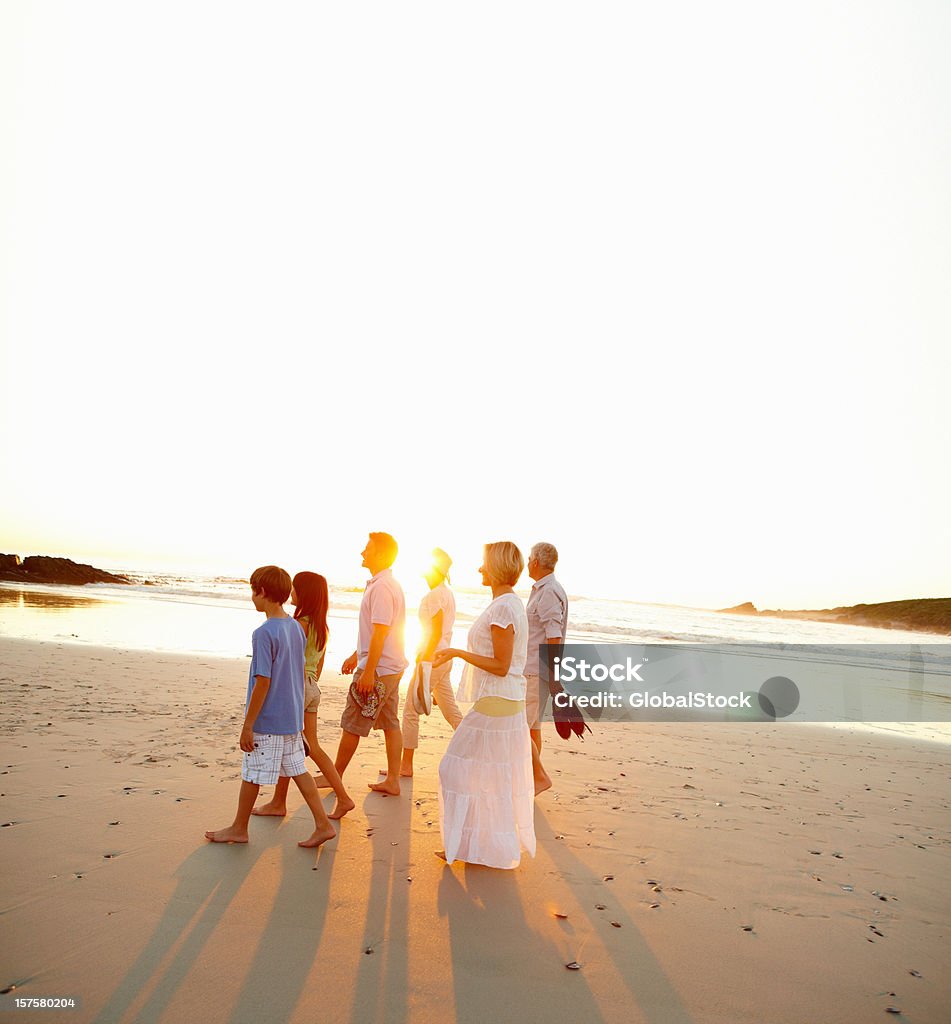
column 272, row 757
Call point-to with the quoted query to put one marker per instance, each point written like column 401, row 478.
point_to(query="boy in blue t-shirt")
column 271, row 736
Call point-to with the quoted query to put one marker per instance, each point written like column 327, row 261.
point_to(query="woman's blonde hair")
column 503, row 562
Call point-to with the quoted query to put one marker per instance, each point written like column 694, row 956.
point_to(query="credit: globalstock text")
column 695, row 700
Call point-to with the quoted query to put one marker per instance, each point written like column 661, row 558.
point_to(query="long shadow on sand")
column 650, row 988
column 381, row 990
column 295, row 926
column 208, row 881
column 484, row 905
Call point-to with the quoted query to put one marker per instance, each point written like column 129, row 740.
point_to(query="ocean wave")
column 590, row 619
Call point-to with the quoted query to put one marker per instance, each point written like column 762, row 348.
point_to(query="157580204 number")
column 46, row 1002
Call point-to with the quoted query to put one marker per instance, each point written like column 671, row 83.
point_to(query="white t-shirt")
column 504, row 611
column 439, row 599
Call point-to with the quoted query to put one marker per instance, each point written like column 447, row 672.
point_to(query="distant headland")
column 927, row 614
column 44, row 569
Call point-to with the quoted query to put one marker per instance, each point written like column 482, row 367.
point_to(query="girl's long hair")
column 313, row 601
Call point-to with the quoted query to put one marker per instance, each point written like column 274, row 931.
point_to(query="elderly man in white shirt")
column 547, row 612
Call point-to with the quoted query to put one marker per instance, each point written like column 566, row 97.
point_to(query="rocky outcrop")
column 44, row 569
column 747, row 608
column 927, row 615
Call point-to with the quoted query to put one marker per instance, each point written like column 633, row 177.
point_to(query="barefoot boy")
column 271, row 736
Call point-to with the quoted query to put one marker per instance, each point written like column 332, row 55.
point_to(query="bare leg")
column 390, row 786
column 321, row 758
column 410, row 736
column 406, row 765
column 277, row 805
column 237, row 832
column 541, row 777
column 323, row 830
column 346, row 748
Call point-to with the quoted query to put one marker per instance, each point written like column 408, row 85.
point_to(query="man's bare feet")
column 341, row 807
column 541, row 785
column 227, row 835
column 384, row 787
column 270, row 809
column 406, row 771
column 318, row 837
column 322, row 783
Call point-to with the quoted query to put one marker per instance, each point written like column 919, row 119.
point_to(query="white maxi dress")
column 486, row 790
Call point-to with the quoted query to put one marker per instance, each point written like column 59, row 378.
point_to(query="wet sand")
column 696, row 873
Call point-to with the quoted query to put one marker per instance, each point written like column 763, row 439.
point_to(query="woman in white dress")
column 486, row 792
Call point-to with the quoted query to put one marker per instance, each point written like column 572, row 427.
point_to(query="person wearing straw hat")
column 437, row 615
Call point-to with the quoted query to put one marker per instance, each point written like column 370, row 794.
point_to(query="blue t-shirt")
column 277, row 651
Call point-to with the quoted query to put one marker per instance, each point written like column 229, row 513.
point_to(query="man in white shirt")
column 437, row 615
column 547, row 612
column 378, row 659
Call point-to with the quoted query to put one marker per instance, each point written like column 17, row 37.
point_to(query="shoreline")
column 659, row 843
column 207, row 625
column 60, row 570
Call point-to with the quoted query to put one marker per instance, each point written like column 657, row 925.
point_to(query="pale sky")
column 664, row 284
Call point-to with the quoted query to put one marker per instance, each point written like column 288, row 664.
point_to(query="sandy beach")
column 615, row 334
column 696, row 873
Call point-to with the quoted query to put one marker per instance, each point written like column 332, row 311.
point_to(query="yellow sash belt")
column 498, row 707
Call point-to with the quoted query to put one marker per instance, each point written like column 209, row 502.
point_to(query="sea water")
column 213, row 615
